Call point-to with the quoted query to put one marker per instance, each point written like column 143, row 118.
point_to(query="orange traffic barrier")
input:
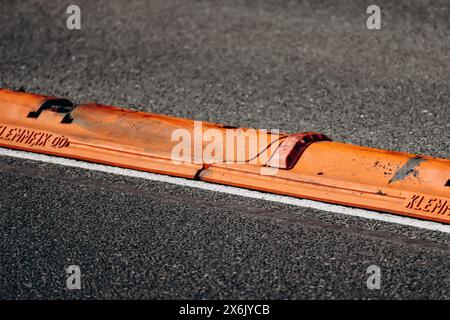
column 306, row 165
column 115, row 136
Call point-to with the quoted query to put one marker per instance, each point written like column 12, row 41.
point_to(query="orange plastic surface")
column 354, row 176
column 306, row 165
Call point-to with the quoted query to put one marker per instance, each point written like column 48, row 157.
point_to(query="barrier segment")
column 122, row 137
column 306, row 165
column 349, row 175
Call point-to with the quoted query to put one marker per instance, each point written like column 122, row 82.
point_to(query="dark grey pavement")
column 292, row 65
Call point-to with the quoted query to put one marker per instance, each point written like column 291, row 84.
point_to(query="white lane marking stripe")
column 361, row 213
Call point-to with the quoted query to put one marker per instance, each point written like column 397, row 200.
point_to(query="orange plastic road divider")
column 305, row 165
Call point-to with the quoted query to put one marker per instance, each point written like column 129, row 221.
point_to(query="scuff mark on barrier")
column 408, row 168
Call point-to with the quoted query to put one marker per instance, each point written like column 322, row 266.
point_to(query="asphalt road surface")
column 292, row 65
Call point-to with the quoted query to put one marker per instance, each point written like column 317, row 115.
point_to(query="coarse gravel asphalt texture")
column 291, row 65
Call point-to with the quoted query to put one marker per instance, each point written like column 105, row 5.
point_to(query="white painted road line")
column 361, row 213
